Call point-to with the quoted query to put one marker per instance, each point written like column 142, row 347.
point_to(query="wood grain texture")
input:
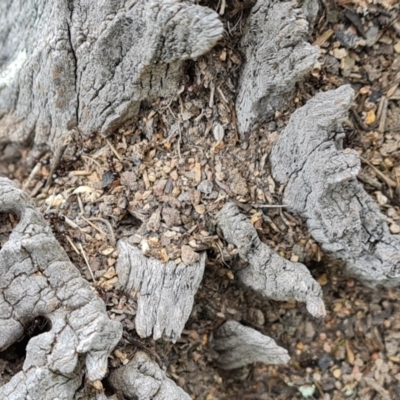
column 76, row 63
column 321, row 185
column 37, row 279
column 240, row 345
column 165, row 291
column 277, row 57
column 267, row 272
column 143, row 379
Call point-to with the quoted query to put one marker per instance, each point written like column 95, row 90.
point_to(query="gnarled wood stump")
column 66, row 64
column 321, row 185
column 277, row 57
column 37, row 279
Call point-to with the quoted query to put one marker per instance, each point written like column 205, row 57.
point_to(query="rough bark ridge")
column 321, row 186
column 68, row 63
column 277, row 57
column 240, row 345
column 166, row 291
column 37, row 279
column 267, row 272
column 142, row 379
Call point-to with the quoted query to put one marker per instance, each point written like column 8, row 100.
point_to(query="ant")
column 52, row 217
column 111, row 165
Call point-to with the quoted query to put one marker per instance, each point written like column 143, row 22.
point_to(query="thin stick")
column 94, row 226
column 383, row 115
column 387, row 180
column 113, row 150
column 80, row 204
column 222, row 9
column 58, row 155
column 71, row 223
column 34, row 171
column 72, row 245
column 107, row 223
column 86, row 261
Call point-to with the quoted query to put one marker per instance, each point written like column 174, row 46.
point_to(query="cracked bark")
column 321, row 185
column 69, row 63
column 143, row 379
column 267, row 272
column 240, row 345
column 37, row 279
column 277, row 57
column 165, row 291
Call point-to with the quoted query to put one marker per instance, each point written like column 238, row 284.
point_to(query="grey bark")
column 37, row 279
column 321, row 185
column 240, row 345
column 267, row 272
column 142, row 379
column 277, row 57
column 165, row 291
column 75, row 63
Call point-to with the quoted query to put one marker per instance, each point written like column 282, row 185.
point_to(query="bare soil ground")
column 159, row 181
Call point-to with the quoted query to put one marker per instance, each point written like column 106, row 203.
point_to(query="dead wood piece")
column 166, row 291
column 267, row 272
column 322, row 187
column 240, row 345
column 66, row 64
column 142, row 379
column 37, row 279
column 277, row 57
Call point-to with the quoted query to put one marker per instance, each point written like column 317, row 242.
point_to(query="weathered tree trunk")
column 321, row 186
column 66, row 64
column 71, row 64
column 277, row 57
column 37, row 279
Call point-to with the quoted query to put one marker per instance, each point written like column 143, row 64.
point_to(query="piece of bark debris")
column 166, row 290
column 142, row 379
column 240, row 345
column 267, row 272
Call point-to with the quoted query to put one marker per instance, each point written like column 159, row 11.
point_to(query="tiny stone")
column 394, row 228
column 201, row 209
column 339, row 53
column 337, row 373
column 324, row 361
column 189, row 256
column 218, row 132
column 205, row 187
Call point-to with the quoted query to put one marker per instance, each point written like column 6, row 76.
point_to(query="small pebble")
column 394, row 228
column 325, row 361
column 205, row 187
column 337, row 373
